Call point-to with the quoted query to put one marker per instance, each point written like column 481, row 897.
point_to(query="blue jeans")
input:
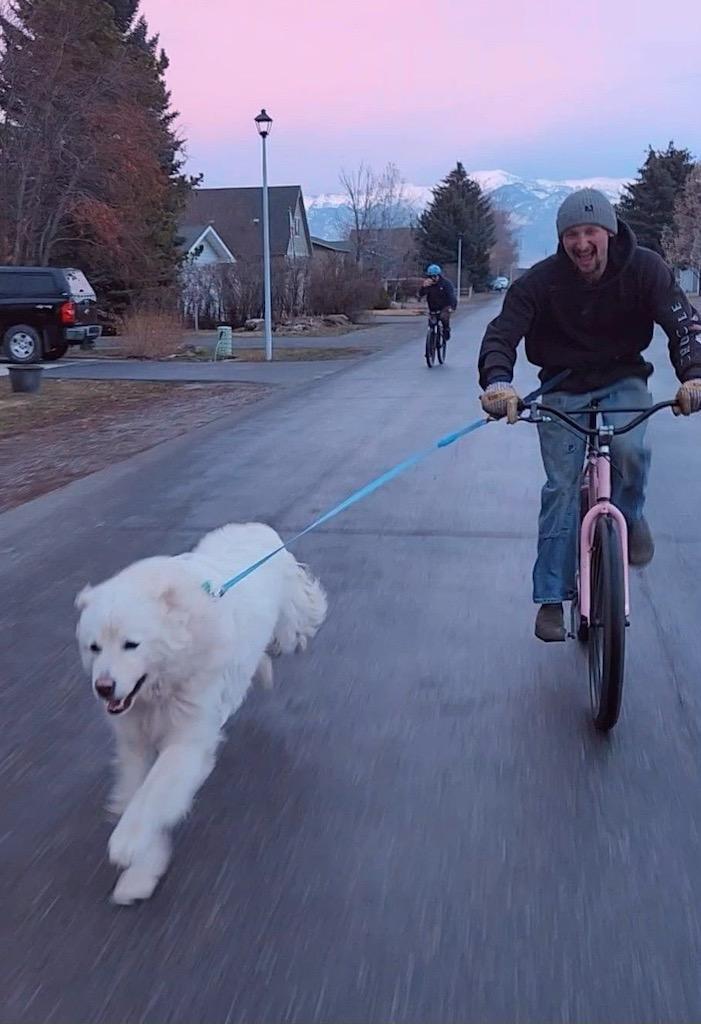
column 563, row 457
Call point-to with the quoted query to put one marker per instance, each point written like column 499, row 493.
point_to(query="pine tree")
column 151, row 94
column 647, row 205
column 124, row 13
column 458, row 207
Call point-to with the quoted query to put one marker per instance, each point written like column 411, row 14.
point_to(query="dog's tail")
column 303, row 611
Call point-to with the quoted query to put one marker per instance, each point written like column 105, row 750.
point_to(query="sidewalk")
column 376, row 339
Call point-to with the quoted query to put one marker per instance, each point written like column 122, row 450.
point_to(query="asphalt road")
column 418, row 823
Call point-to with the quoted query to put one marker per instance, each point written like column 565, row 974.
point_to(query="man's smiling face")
column 587, row 245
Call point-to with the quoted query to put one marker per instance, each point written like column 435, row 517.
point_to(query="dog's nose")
column 104, row 687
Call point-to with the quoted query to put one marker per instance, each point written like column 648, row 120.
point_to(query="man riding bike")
column 440, row 295
column 589, row 310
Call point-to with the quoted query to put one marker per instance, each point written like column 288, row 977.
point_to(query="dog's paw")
column 134, row 884
column 130, row 839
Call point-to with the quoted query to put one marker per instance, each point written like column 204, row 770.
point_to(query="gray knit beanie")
column 586, row 206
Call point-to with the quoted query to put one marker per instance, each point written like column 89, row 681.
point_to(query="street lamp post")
column 264, row 124
column 459, row 263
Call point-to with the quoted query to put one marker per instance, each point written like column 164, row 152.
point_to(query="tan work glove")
column 688, row 398
column 499, row 400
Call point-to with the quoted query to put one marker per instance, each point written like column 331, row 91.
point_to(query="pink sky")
column 534, row 88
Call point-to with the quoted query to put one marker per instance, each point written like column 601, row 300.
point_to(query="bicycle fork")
column 600, row 504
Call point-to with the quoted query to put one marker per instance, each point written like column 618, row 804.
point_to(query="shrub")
column 151, row 334
column 337, row 285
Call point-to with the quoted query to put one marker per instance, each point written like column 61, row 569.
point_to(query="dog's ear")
column 170, row 597
column 82, row 597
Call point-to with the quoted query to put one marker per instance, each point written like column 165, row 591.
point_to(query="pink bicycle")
column 601, row 609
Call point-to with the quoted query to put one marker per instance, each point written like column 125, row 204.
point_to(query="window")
column 298, row 226
column 37, row 285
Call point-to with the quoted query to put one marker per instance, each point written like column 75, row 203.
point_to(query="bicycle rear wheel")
column 607, row 625
column 430, row 347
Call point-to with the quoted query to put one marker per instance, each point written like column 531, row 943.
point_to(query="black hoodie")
column 596, row 331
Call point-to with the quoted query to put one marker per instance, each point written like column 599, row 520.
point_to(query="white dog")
column 171, row 664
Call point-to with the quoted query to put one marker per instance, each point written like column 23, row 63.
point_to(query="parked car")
column 44, row 310
column 500, row 284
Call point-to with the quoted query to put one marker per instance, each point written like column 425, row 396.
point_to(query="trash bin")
column 25, row 379
column 225, row 337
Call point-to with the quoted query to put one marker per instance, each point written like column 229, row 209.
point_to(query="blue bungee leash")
column 374, row 485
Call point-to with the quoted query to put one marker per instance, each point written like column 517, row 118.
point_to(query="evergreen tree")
column 155, row 97
column 124, row 13
column 647, row 205
column 458, row 207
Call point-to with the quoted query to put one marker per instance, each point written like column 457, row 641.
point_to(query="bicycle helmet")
column 433, row 270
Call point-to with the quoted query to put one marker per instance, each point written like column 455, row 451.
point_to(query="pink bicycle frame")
column 598, row 479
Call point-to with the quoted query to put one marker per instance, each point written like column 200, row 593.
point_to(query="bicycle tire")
column 607, row 625
column 442, row 345
column 430, row 347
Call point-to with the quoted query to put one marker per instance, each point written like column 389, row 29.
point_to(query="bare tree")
column 48, row 158
column 201, row 294
column 682, row 244
column 85, row 166
column 360, row 187
column 505, row 251
column 377, row 204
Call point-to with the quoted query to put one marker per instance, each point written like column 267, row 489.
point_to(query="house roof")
column 188, row 234
column 334, row 245
column 237, row 215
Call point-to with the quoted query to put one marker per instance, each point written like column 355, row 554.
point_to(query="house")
column 326, row 247
column 234, row 223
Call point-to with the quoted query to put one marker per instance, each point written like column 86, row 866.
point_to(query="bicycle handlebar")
column 593, row 431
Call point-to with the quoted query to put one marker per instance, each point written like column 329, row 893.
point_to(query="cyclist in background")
column 589, row 310
column 440, row 295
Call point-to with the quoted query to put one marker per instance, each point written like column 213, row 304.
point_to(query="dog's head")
column 133, row 629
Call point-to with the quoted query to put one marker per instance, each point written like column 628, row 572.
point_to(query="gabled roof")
column 237, row 215
column 192, row 235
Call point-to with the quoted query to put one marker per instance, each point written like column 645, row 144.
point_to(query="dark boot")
column 550, row 623
column 641, row 546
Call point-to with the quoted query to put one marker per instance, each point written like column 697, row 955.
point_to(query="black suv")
column 43, row 310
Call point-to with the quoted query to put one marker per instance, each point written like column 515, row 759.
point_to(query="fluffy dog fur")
column 172, row 663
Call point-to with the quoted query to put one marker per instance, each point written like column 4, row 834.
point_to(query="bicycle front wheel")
column 607, row 625
column 430, row 347
column 441, row 345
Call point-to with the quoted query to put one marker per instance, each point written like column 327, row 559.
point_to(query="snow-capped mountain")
column 532, row 204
